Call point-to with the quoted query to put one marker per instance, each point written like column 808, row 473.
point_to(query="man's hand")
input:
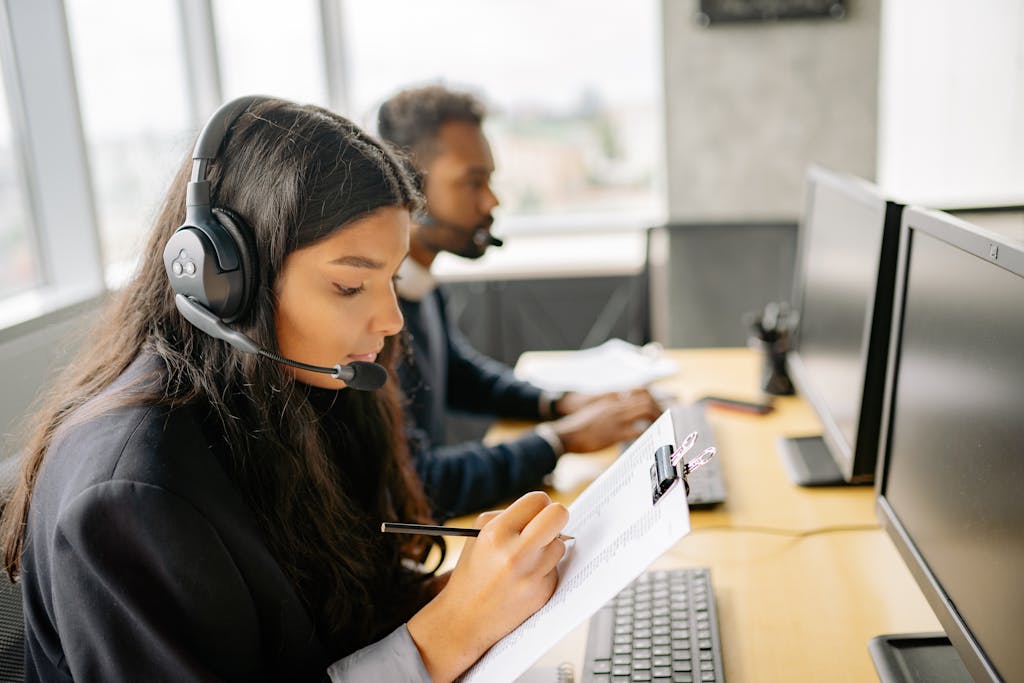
column 601, row 421
column 573, row 401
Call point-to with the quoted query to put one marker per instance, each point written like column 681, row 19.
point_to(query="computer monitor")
column 843, row 289
column 950, row 489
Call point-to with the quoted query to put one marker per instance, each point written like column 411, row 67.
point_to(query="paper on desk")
column 618, row 532
column 615, row 365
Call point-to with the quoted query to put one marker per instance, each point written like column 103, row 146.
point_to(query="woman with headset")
column 194, row 505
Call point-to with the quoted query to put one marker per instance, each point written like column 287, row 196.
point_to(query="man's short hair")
column 411, row 119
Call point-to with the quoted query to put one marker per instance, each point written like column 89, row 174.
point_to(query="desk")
column 790, row 609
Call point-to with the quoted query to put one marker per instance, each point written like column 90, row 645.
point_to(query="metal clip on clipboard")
column 669, row 467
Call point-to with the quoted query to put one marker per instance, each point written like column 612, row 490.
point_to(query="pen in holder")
column 771, row 333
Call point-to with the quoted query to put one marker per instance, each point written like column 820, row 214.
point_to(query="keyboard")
column 707, row 485
column 662, row 628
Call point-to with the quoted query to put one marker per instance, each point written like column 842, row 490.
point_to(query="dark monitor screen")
column 951, row 484
column 848, row 243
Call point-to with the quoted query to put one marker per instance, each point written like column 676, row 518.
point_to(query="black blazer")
column 142, row 562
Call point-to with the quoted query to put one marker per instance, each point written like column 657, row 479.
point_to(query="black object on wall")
column 734, row 11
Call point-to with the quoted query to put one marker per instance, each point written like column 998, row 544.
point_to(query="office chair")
column 12, row 619
column 12, row 632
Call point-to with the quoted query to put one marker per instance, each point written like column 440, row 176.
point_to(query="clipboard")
column 628, row 517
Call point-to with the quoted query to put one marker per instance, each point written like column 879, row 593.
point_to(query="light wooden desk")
column 789, row 609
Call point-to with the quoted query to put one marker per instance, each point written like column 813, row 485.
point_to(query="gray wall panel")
column 749, row 106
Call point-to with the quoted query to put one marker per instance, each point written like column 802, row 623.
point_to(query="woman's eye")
column 348, row 291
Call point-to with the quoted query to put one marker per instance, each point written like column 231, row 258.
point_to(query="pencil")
column 431, row 530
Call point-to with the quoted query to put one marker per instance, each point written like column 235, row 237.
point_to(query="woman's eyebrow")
column 358, row 262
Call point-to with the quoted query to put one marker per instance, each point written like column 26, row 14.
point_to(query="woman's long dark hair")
column 295, row 174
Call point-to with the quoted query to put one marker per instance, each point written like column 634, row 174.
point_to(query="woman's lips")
column 365, row 357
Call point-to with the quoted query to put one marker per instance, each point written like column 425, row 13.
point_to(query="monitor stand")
column 808, row 461
column 917, row 657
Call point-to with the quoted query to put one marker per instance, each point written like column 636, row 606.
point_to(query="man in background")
column 441, row 133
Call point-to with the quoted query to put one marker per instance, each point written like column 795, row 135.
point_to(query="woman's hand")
column 503, row 576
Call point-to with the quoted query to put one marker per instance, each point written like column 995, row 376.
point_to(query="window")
column 573, row 91
column 134, row 101
column 19, row 269
column 271, row 48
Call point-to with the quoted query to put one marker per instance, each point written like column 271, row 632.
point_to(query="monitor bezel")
column 972, row 239
column 850, row 457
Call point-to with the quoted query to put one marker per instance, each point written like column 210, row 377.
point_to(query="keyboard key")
column 650, row 634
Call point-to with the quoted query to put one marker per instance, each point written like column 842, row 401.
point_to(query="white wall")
column 951, row 103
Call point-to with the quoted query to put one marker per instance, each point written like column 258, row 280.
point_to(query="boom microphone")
column 359, row 374
column 481, row 236
column 491, row 239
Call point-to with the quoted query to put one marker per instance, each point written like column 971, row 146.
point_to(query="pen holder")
column 774, row 373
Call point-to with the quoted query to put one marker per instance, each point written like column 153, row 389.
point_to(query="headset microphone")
column 481, row 236
column 360, row 375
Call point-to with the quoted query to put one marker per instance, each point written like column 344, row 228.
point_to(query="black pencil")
column 431, row 530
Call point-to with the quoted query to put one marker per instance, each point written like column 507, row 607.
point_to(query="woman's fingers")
column 551, row 556
column 484, row 517
column 517, row 515
column 545, row 525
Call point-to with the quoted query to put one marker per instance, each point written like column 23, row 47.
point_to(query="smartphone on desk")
column 737, row 405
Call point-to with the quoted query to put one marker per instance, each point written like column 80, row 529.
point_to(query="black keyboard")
column 662, row 627
column 707, row 485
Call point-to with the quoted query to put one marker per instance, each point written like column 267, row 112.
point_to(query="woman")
column 189, row 511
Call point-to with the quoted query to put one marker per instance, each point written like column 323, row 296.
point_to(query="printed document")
column 615, row 365
column 619, row 532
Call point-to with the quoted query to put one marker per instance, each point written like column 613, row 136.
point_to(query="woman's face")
column 336, row 298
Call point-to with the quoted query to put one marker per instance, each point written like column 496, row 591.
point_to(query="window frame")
column 46, row 124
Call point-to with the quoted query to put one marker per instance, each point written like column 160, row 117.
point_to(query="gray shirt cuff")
column 547, row 432
column 394, row 658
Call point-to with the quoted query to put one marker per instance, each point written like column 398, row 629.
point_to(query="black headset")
column 211, row 260
column 211, row 257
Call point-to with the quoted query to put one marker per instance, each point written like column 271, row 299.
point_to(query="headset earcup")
column 243, row 238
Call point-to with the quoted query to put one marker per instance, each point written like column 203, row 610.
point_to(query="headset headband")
column 197, row 194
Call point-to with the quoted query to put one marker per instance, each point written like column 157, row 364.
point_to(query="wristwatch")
column 553, row 399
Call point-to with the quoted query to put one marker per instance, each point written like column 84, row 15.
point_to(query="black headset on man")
column 211, row 260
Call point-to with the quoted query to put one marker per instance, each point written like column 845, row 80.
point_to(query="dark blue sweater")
column 443, row 371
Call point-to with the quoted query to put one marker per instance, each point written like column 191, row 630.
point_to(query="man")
column 441, row 133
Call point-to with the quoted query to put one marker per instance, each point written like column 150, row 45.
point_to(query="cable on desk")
column 791, row 533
